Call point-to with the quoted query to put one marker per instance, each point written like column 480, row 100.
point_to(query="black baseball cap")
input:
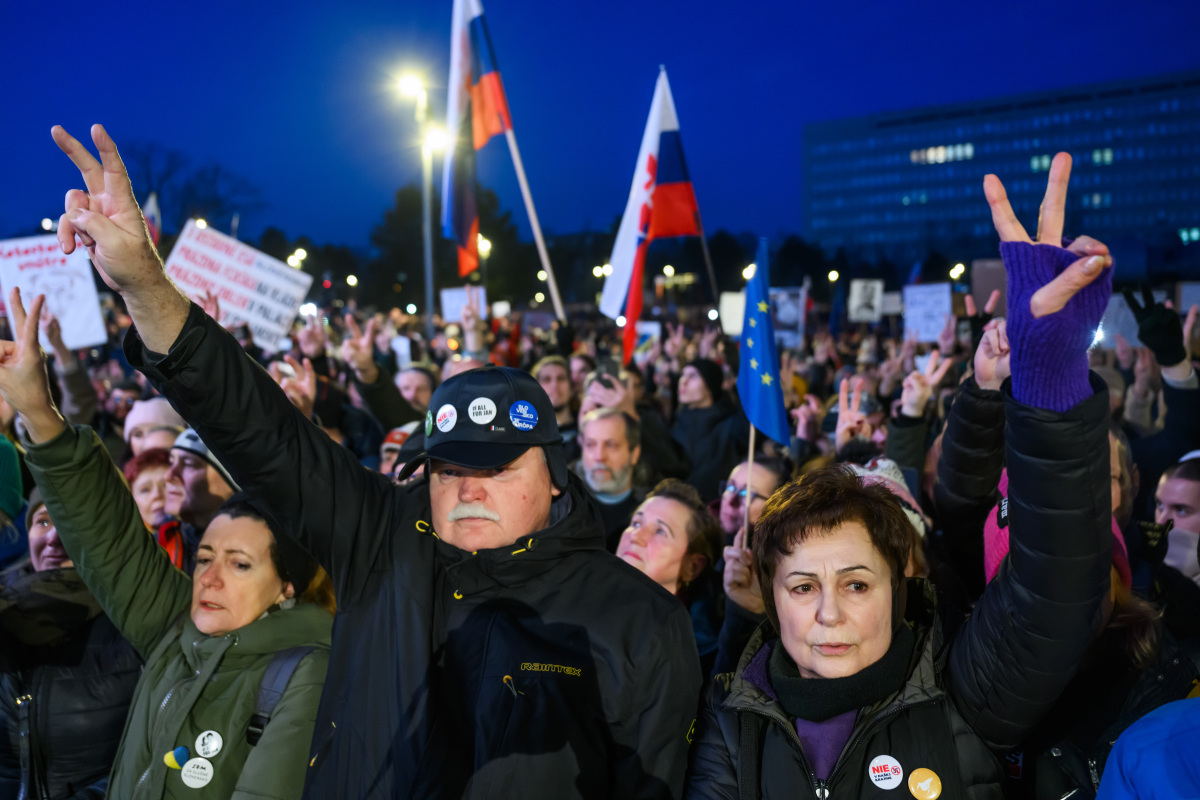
column 488, row 417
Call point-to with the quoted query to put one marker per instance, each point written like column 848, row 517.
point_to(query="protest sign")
column 866, row 300
column 454, row 299
column 789, row 306
column 1119, row 319
column 647, row 330
column 731, row 307
column 987, row 275
column 402, row 346
column 501, row 309
column 892, row 303
column 37, row 265
column 926, row 306
column 254, row 288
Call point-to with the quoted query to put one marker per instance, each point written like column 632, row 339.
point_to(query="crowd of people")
column 515, row 564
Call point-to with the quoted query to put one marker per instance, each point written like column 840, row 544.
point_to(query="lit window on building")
column 942, row 154
column 1040, row 163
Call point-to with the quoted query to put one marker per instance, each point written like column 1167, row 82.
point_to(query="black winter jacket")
column 66, row 679
column 547, row 668
column 715, row 440
column 976, row 690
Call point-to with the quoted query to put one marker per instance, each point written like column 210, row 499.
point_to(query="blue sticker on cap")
column 523, row 415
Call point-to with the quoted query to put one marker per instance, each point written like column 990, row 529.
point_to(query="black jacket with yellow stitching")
column 546, row 669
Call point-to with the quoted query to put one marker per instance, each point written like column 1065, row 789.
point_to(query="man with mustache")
column 486, row 644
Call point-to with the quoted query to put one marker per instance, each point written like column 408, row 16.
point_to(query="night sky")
column 299, row 97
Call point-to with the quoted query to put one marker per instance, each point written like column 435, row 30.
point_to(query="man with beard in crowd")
column 611, row 443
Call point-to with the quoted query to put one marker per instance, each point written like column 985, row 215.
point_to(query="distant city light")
column 599, row 271
column 47, row 224
column 621, row 321
column 942, row 153
column 485, row 246
column 410, row 85
column 541, row 276
column 607, row 268
column 351, row 280
column 292, row 261
column 541, row 298
column 712, row 314
column 201, row 224
column 436, row 139
column 668, row 270
column 957, row 271
column 308, row 310
column 749, row 271
column 328, row 284
column 411, row 308
column 833, row 275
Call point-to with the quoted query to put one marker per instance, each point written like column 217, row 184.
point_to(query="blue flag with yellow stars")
column 758, row 371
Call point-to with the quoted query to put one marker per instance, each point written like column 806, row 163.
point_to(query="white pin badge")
column 209, row 743
column 447, row 415
column 885, row 772
column 197, row 773
column 482, row 410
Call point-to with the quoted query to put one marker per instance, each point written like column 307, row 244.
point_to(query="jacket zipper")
column 1095, row 775
column 820, row 788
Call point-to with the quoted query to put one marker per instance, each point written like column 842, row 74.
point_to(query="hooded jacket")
column 545, row 668
column 192, row 683
column 976, row 687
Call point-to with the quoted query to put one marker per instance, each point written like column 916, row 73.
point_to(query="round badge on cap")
column 885, row 772
column 924, row 784
column 447, row 416
column 482, row 410
column 197, row 773
column 209, row 743
column 523, row 415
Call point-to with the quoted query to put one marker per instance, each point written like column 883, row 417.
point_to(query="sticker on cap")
column 197, row 773
column 482, row 410
column 885, row 772
column 523, row 415
column 428, row 422
column 446, row 417
column 209, row 743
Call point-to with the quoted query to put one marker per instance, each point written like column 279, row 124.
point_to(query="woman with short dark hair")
column 863, row 681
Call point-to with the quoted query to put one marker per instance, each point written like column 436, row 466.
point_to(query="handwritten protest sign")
column 454, row 299
column 731, row 307
column 37, row 265
column 892, row 303
column 254, row 288
column 866, row 300
column 925, row 310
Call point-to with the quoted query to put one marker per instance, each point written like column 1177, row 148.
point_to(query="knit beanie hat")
column 190, row 441
column 712, row 375
column 887, row 473
column 155, row 410
column 995, row 540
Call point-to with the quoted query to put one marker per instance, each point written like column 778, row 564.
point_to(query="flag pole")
column 533, row 223
column 749, row 472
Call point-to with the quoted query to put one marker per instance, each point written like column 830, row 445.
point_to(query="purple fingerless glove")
column 1049, row 355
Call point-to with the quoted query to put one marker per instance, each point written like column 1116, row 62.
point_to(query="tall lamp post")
column 433, row 139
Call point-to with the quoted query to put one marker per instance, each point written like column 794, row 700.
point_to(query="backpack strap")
column 270, row 691
column 750, row 727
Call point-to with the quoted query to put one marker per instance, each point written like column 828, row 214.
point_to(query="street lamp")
column 957, row 271
column 542, row 275
column 434, row 139
column 748, row 272
column 47, row 224
column 201, row 224
column 352, row 280
column 606, row 270
column 668, row 270
column 833, row 276
column 598, row 271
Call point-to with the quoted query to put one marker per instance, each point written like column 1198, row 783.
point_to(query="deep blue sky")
column 298, row 97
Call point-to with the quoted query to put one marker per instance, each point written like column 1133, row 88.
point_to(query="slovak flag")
column 476, row 110
column 153, row 217
column 661, row 204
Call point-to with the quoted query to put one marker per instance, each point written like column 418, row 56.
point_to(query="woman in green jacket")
column 195, row 727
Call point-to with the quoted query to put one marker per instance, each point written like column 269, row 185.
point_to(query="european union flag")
column 758, row 372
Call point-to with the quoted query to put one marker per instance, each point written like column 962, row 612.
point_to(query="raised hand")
column 300, row 386
column 620, row 396
column 1159, row 327
column 23, row 380
column 106, row 218
column 708, row 342
column 980, row 319
column 741, row 581
column 108, row 222
column 919, row 386
column 1125, row 354
column 1057, row 295
column 53, row 330
column 358, row 350
column 211, row 304
column 673, row 346
column 948, row 337
column 992, row 356
column 851, row 423
column 808, row 419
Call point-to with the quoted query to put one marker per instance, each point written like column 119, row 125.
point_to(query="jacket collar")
column 303, row 624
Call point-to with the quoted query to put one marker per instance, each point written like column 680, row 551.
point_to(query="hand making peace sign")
column 23, row 380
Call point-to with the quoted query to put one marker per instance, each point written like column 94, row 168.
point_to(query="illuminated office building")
column 900, row 185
